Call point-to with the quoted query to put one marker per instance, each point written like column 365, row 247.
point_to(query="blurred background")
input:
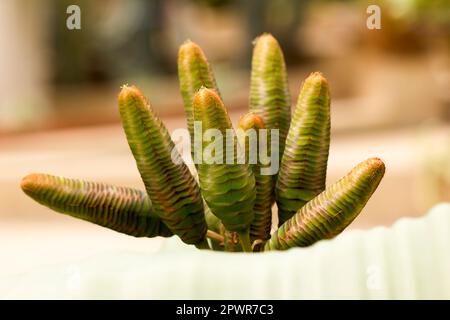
column 58, row 88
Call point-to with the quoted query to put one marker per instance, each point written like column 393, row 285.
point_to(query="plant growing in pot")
column 227, row 204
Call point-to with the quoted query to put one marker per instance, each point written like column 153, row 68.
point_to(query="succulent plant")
column 227, row 206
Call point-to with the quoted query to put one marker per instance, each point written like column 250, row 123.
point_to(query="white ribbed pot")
column 410, row 260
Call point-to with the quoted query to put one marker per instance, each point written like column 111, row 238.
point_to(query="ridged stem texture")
column 194, row 72
column 304, row 164
column 122, row 209
column 269, row 90
column 228, row 188
column 250, row 125
column 331, row 211
column 169, row 184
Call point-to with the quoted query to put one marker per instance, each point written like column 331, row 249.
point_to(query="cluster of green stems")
column 225, row 206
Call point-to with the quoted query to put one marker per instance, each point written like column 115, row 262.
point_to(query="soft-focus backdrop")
column 58, row 89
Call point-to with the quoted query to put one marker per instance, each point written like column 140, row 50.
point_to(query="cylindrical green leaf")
column 331, row 211
column 252, row 127
column 269, row 90
column 227, row 186
column 121, row 209
column 194, row 72
column 171, row 187
column 304, row 164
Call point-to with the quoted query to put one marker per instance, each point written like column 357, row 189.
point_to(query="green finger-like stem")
column 304, row 164
column 228, row 187
column 194, row 72
column 252, row 128
column 169, row 184
column 331, row 211
column 121, row 209
column 269, row 91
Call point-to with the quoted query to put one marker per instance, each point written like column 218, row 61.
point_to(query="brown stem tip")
column 206, row 98
column 30, row 182
column 251, row 121
column 317, row 76
column 128, row 92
